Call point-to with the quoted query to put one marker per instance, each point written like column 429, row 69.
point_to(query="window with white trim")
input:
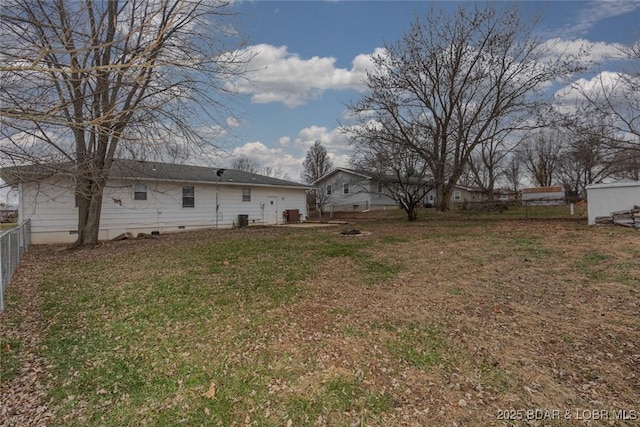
column 329, row 189
column 246, row 194
column 457, row 195
column 139, row 192
column 345, row 188
column 188, row 196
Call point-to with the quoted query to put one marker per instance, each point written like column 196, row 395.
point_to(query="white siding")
column 51, row 208
column 358, row 197
column 606, row 198
column 363, row 193
column 377, row 198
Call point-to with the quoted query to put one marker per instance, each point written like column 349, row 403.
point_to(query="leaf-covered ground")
column 465, row 322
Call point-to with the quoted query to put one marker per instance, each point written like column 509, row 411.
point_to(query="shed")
column 603, row 199
column 543, row 196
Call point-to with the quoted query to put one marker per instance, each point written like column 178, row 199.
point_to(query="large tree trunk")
column 442, row 199
column 412, row 213
column 89, row 199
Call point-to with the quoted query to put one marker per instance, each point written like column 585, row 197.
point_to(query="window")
column 139, row 192
column 457, row 195
column 379, row 187
column 328, row 189
column 188, row 197
column 246, row 194
column 345, row 188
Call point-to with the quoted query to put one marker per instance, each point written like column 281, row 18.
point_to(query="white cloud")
column 594, row 12
column 587, row 52
column 277, row 75
column 334, row 141
column 284, row 141
column 574, row 94
column 264, row 156
column 289, row 154
column 232, row 122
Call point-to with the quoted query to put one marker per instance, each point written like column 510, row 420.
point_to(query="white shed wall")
column 606, row 198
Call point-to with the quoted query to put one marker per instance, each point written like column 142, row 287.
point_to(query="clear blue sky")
column 311, row 57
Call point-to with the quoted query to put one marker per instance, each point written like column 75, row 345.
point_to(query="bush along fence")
column 13, row 244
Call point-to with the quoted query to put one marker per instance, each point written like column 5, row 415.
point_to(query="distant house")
column 356, row 190
column 544, row 196
column 505, row 195
column 460, row 196
column 155, row 197
column 465, row 195
column 345, row 189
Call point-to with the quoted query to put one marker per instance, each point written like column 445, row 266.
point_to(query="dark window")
column 139, row 192
column 246, row 194
column 188, row 197
column 346, row 188
column 328, row 189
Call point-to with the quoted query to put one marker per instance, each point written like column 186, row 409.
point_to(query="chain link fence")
column 13, row 244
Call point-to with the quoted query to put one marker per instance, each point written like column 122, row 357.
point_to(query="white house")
column 147, row 197
column 606, row 198
column 345, row 189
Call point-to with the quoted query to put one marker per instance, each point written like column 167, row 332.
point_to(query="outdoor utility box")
column 292, row 215
column 243, row 220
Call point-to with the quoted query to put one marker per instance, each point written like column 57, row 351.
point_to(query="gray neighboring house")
column 146, row 197
column 345, row 189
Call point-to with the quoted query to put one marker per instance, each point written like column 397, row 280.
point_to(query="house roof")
column 554, row 189
column 362, row 174
column 367, row 175
column 618, row 184
column 143, row 170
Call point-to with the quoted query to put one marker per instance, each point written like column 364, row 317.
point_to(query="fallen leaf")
column 207, row 411
column 211, row 392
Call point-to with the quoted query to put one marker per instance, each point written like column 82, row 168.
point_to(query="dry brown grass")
column 443, row 323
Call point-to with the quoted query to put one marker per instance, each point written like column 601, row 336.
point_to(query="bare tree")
column 403, row 175
column 541, row 155
column 488, row 161
column 626, row 164
column 316, row 164
column 274, row 172
column 513, row 173
column 451, row 78
column 83, row 81
column 614, row 101
column 586, row 159
column 245, row 164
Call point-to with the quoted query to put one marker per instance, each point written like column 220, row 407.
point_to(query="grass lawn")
column 429, row 323
column 7, row 226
